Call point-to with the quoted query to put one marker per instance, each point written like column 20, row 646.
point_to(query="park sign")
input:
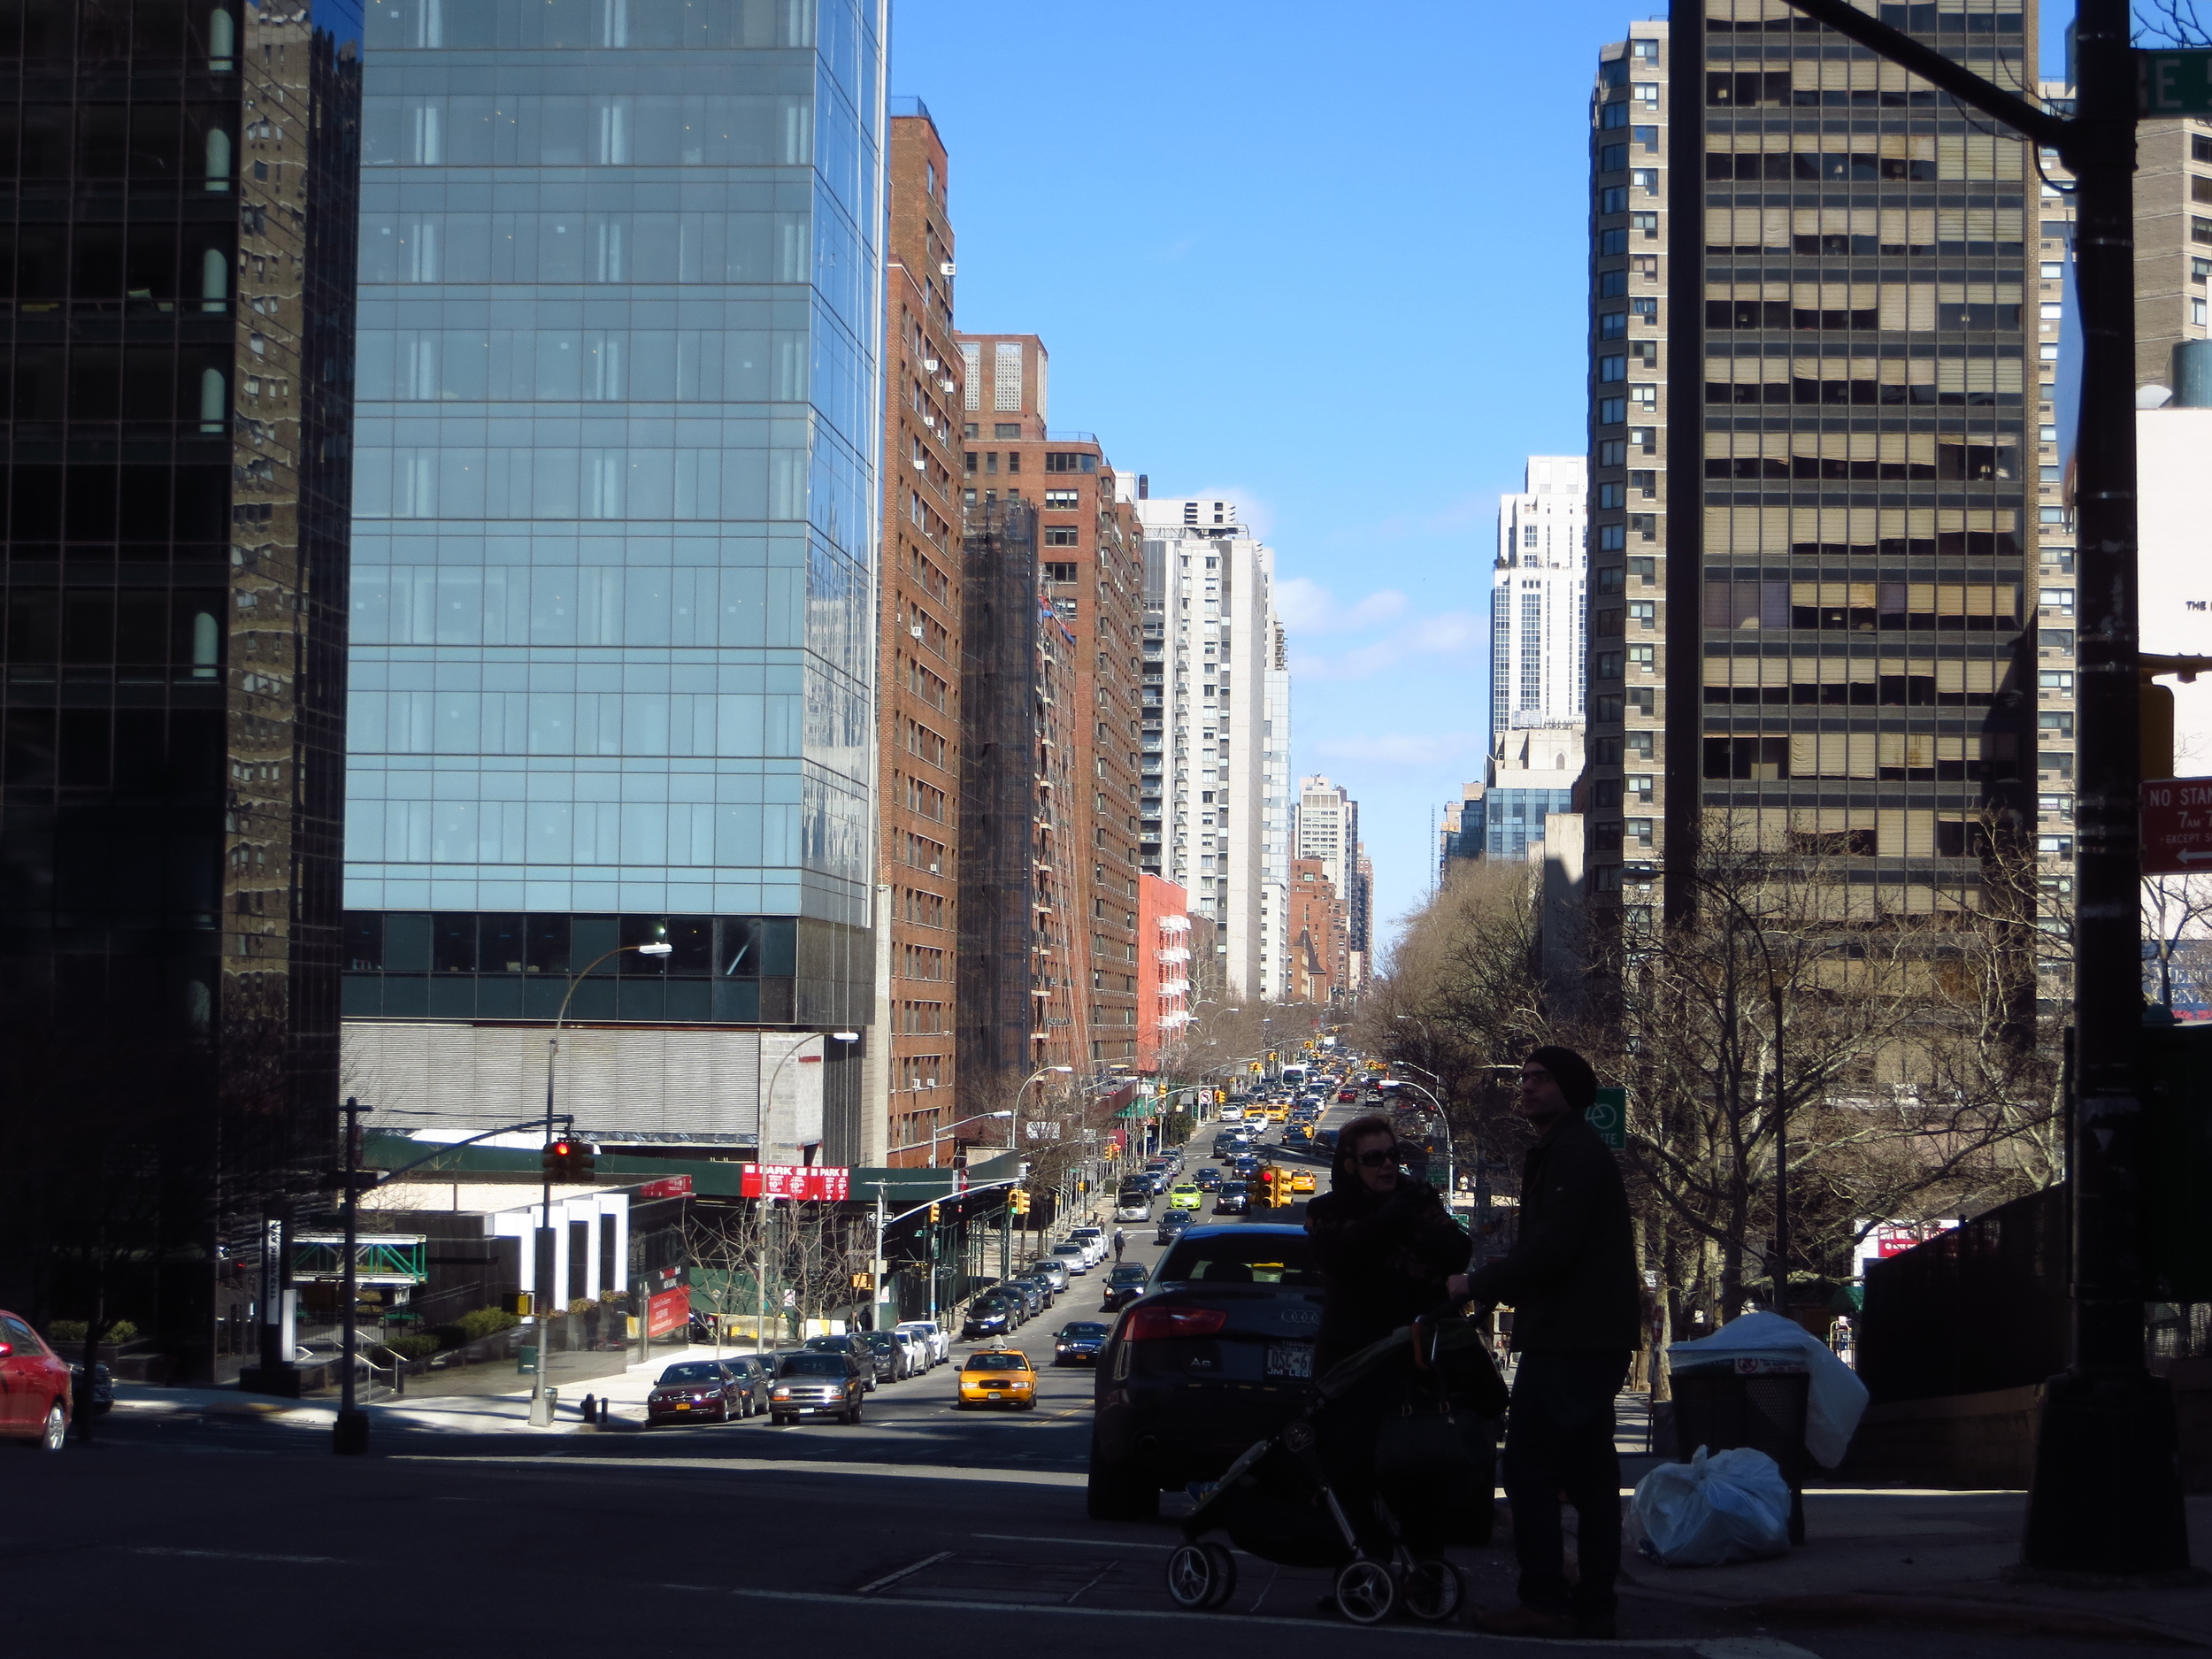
column 796, row 1180
column 1609, row 1117
column 2176, row 820
column 2169, row 83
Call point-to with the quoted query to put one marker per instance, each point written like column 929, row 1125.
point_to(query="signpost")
column 1609, row 1117
column 2177, row 825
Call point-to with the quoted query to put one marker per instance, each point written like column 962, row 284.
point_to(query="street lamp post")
column 541, row 1401
column 350, row 1437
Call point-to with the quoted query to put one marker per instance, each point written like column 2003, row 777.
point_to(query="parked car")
column 888, row 1354
column 1172, row 1225
column 1092, row 1238
column 1035, row 1298
column 1125, row 1284
column 35, row 1383
column 997, row 1376
column 102, row 1385
column 818, row 1383
column 695, row 1390
column 1230, row 1200
column 1075, row 1255
column 1077, row 1342
column 1247, row 1299
column 935, row 1341
column 1053, row 1268
column 989, row 1315
column 848, row 1345
column 912, row 1347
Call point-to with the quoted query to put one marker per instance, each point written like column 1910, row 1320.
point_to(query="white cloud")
column 1451, row 633
column 1307, row 607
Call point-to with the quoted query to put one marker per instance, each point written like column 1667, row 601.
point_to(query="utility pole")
column 2106, row 1498
column 350, row 1436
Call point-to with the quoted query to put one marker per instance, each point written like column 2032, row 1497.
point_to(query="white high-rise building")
column 1216, row 734
column 1328, row 829
column 1538, row 634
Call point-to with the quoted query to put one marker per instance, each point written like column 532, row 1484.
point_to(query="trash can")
column 1760, row 1404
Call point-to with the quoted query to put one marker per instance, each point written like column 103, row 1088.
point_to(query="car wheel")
column 1116, row 1492
column 55, row 1435
column 852, row 1417
column 722, row 1412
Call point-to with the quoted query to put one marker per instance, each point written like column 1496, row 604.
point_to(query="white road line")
column 239, row 1554
column 890, row 1579
column 1088, row 1543
column 776, row 1466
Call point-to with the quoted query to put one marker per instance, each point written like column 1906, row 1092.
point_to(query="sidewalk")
column 1930, row 1559
column 507, row 1410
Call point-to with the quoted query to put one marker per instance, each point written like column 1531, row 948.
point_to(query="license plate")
column 1290, row 1359
column 995, row 1395
column 683, row 1405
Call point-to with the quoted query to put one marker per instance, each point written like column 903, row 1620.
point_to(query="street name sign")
column 2173, row 83
column 2177, row 825
column 1609, row 1117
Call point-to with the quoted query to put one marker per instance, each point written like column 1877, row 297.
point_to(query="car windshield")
column 1131, row 1275
column 692, row 1373
column 1235, row 1257
column 1067, row 1249
column 829, row 1344
column 814, row 1364
column 1233, row 1189
column 876, row 1338
column 994, row 1361
column 1084, row 1330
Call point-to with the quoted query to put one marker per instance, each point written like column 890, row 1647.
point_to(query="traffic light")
column 1221, row 1097
column 1021, row 1202
column 932, row 1215
column 567, row 1160
column 518, row 1303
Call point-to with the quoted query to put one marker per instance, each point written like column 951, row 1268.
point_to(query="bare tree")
column 2177, row 912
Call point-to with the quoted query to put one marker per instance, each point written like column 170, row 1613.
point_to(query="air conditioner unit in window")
column 946, row 269
column 916, row 630
column 930, row 365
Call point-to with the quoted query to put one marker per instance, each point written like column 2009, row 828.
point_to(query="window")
column 1612, row 157
column 2200, row 189
column 1611, row 369
column 1646, row 311
column 1612, row 411
column 1006, row 429
column 1612, row 452
column 1643, row 658
column 2057, row 681
column 1644, row 483
column 1006, row 375
column 1611, row 283
column 1060, row 535
column 2200, row 269
column 2199, row 147
column 1644, row 225
column 1613, row 199
column 1644, row 181
column 1528, row 535
column 1644, row 52
column 1013, row 460
column 1644, row 569
column 1608, row 665
column 1064, row 499
column 1609, row 579
column 1643, row 613
column 2196, row 312
column 1613, row 325
column 1614, row 116
column 1645, row 139
column 1610, row 495
column 1646, row 93
column 1612, row 538
column 1645, row 439
column 1070, row 461
column 1641, row 787
column 1616, row 242
column 2201, row 230
column 1646, row 398
column 2057, row 723
column 2059, row 602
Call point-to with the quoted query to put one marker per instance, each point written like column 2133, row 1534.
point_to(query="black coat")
column 1384, row 1260
column 1571, row 1279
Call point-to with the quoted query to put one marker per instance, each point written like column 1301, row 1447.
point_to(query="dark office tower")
column 179, row 300
column 1848, row 283
column 615, row 537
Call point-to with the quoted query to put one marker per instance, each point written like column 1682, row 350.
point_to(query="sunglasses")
column 1380, row 1157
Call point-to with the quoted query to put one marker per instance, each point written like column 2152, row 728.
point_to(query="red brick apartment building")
column 1091, row 578
column 1163, row 968
column 1320, row 940
column 919, row 614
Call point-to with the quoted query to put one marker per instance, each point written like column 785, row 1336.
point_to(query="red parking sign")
column 2176, row 826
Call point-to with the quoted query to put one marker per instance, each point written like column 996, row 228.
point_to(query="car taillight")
column 1154, row 1324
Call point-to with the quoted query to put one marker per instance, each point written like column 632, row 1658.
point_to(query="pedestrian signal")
column 517, row 1302
column 863, row 1282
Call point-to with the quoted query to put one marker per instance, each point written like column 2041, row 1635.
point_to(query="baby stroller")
column 1395, row 1459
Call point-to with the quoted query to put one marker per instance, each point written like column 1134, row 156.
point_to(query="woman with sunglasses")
column 1388, row 1249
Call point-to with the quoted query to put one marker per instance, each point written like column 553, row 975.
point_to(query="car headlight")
column 782, row 1394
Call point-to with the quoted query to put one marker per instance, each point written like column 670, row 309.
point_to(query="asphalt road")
column 922, row 1524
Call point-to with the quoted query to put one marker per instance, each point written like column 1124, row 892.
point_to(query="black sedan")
column 1209, row 1179
column 1125, row 1284
column 889, row 1357
column 1078, row 1342
column 697, row 1391
column 988, row 1315
column 1219, row 1354
column 1172, row 1225
column 1232, row 1200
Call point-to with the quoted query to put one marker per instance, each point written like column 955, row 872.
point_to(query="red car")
column 34, row 1385
column 1345, row 1097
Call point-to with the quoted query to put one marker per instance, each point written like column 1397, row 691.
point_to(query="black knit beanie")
column 1576, row 1081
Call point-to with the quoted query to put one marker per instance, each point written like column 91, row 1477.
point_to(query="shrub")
column 70, row 1333
column 476, row 1323
column 413, row 1346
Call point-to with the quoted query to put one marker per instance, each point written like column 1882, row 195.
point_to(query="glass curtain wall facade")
column 616, row 512
column 177, row 291
column 1854, row 624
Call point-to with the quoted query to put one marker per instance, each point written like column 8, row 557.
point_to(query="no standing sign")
column 2176, row 826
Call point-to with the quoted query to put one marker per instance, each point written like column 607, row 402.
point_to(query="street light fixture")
column 541, row 1401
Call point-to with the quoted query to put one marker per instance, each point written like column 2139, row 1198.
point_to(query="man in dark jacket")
column 1388, row 1249
column 1571, row 1281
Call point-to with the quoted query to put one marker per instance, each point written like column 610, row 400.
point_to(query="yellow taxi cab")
column 1302, row 1180
column 1278, row 1113
column 998, row 1376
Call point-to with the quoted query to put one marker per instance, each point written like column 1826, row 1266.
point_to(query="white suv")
column 1094, row 1242
column 935, row 1344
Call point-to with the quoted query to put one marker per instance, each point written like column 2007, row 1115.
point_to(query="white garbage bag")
column 1717, row 1508
column 1837, row 1399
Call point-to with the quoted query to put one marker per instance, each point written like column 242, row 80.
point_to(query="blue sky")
column 1328, row 258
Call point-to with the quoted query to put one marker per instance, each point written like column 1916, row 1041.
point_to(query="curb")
column 2017, row 1619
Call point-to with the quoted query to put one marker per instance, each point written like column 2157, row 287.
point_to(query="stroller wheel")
column 1431, row 1591
column 1200, row 1576
column 1364, row 1593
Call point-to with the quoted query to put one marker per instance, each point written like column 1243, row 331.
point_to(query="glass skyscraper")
column 616, row 477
